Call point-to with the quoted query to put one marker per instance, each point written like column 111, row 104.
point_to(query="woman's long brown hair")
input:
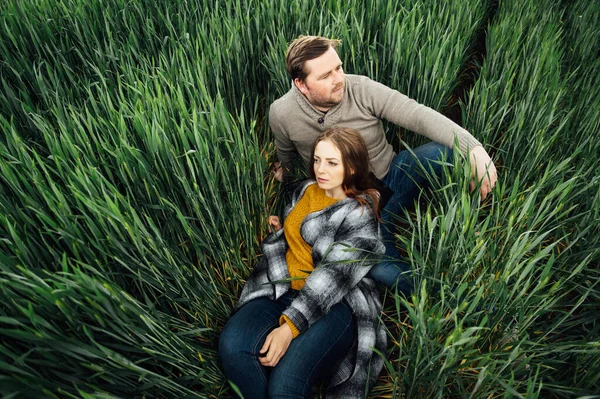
column 355, row 159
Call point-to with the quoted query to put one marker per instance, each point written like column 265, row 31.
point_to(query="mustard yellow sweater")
column 298, row 256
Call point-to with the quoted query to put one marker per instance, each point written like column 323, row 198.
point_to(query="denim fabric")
column 309, row 359
column 406, row 180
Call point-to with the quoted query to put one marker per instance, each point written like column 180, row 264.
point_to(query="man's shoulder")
column 282, row 104
column 361, row 82
column 358, row 79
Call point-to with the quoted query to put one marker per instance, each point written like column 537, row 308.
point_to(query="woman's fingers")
column 274, row 222
column 277, row 171
column 268, row 351
column 271, row 359
column 278, row 342
column 266, row 345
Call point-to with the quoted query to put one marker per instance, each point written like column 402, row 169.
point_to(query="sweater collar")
column 331, row 117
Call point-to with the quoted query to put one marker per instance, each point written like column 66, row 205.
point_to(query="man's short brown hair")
column 306, row 48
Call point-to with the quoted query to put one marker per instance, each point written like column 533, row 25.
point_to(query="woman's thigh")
column 240, row 341
column 313, row 354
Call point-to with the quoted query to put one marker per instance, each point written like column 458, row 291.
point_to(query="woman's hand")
column 275, row 346
column 277, row 171
column 274, row 223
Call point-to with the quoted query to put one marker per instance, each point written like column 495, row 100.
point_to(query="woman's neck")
column 336, row 193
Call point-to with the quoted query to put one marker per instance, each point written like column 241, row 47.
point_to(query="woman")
column 307, row 312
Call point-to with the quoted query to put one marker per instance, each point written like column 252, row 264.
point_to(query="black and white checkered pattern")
column 346, row 243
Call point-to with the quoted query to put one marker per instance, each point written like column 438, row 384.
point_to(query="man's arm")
column 403, row 111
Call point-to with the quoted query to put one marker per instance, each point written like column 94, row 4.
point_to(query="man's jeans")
column 309, row 359
column 406, row 180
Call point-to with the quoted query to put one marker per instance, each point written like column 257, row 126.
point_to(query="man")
column 322, row 96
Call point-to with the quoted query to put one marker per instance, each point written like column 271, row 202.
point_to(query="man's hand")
column 274, row 223
column 277, row 171
column 482, row 169
column 276, row 344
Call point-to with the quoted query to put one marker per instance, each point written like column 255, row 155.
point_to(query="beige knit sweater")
column 296, row 123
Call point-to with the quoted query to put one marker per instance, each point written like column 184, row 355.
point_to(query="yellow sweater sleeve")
column 284, row 319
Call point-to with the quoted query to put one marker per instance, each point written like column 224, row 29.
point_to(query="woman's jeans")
column 406, row 179
column 309, row 359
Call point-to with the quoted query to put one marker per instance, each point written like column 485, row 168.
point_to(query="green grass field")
column 135, row 187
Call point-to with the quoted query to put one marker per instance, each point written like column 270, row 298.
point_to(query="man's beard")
column 330, row 102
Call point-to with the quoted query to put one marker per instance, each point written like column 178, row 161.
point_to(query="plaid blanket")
column 346, row 243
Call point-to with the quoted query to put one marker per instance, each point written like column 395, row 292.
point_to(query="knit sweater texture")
column 346, row 242
column 298, row 255
column 296, row 123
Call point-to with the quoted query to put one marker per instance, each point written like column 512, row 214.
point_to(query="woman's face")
column 329, row 169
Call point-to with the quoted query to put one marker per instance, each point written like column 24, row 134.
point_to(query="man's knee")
column 393, row 274
column 430, row 154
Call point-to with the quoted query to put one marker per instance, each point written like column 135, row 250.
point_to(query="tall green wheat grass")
column 135, row 185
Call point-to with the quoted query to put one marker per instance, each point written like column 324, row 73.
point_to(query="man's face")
column 324, row 84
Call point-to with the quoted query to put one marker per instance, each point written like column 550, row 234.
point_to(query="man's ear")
column 301, row 85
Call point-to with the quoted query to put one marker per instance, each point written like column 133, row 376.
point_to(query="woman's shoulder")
column 360, row 209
